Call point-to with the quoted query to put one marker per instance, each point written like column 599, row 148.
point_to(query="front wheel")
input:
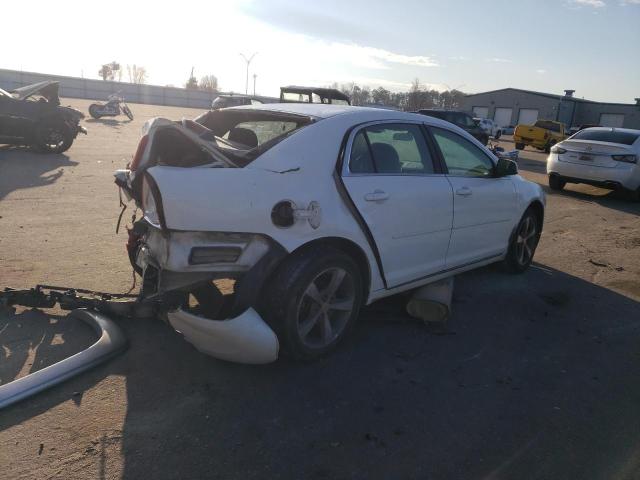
column 54, row 137
column 313, row 301
column 524, row 242
column 519, row 146
column 127, row 112
column 94, row 110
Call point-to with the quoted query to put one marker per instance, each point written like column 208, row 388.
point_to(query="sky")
column 591, row 46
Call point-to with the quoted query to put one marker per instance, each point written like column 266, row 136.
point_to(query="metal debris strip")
column 48, row 296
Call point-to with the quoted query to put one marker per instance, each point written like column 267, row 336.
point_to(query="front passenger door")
column 483, row 205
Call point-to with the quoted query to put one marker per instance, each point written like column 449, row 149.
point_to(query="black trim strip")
column 446, row 270
column 344, row 193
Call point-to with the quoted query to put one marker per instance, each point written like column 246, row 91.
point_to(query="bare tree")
column 209, row 83
column 137, row 74
column 192, row 83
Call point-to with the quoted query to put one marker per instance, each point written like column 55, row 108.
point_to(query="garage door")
column 615, row 120
column 503, row 116
column 527, row 116
column 482, row 112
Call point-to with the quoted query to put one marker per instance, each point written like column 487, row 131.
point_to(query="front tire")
column 524, row 242
column 313, row 301
column 127, row 112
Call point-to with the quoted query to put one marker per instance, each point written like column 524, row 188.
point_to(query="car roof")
column 322, row 111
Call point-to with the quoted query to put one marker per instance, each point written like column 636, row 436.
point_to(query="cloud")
column 541, row 71
column 459, row 58
column 588, row 3
column 498, row 60
column 624, row 3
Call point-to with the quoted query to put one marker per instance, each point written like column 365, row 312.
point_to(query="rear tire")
column 519, row 146
column 313, row 301
column 556, row 182
column 524, row 242
column 94, row 110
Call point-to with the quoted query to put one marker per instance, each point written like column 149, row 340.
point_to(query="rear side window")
column 254, row 134
column 612, row 136
column 391, row 149
column 461, row 156
column 553, row 126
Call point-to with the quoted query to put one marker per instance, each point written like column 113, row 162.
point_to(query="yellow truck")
column 542, row 135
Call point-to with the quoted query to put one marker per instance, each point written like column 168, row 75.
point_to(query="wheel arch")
column 537, row 207
column 350, row 248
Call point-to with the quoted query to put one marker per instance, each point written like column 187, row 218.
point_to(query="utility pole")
column 248, row 61
column 255, row 75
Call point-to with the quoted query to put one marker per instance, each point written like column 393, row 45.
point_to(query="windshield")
column 612, row 136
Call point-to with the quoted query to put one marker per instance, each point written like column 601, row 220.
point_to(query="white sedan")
column 313, row 211
column 601, row 156
column 490, row 127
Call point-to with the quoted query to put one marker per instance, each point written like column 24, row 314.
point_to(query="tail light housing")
column 152, row 203
column 625, row 158
column 137, row 158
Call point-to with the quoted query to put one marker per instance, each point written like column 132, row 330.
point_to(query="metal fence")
column 86, row 88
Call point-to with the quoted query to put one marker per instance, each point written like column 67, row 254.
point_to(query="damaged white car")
column 313, row 211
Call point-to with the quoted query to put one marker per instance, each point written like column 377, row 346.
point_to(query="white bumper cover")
column 243, row 339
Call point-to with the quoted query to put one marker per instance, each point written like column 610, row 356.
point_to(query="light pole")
column 248, row 60
column 255, row 75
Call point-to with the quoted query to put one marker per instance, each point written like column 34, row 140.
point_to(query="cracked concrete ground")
column 534, row 377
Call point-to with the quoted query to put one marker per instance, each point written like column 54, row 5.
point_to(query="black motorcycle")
column 115, row 106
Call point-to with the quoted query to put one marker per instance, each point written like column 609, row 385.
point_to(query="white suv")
column 313, row 210
column 490, row 127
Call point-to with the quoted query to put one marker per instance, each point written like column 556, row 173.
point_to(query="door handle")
column 464, row 191
column 376, row 196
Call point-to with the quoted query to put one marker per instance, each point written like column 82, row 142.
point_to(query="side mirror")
column 506, row 167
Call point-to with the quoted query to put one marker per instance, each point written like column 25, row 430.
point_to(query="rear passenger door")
column 405, row 200
column 483, row 205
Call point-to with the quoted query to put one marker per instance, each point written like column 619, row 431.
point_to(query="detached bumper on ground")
column 244, row 339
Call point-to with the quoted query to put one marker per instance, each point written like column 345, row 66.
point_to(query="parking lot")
column 534, row 376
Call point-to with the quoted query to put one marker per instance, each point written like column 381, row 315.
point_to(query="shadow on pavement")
column 535, row 376
column 110, row 122
column 23, row 168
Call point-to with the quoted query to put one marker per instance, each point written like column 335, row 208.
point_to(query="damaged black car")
column 32, row 115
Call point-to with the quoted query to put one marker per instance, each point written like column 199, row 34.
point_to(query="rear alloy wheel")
column 313, row 301
column 54, row 137
column 556, row 182
column 523, row 244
